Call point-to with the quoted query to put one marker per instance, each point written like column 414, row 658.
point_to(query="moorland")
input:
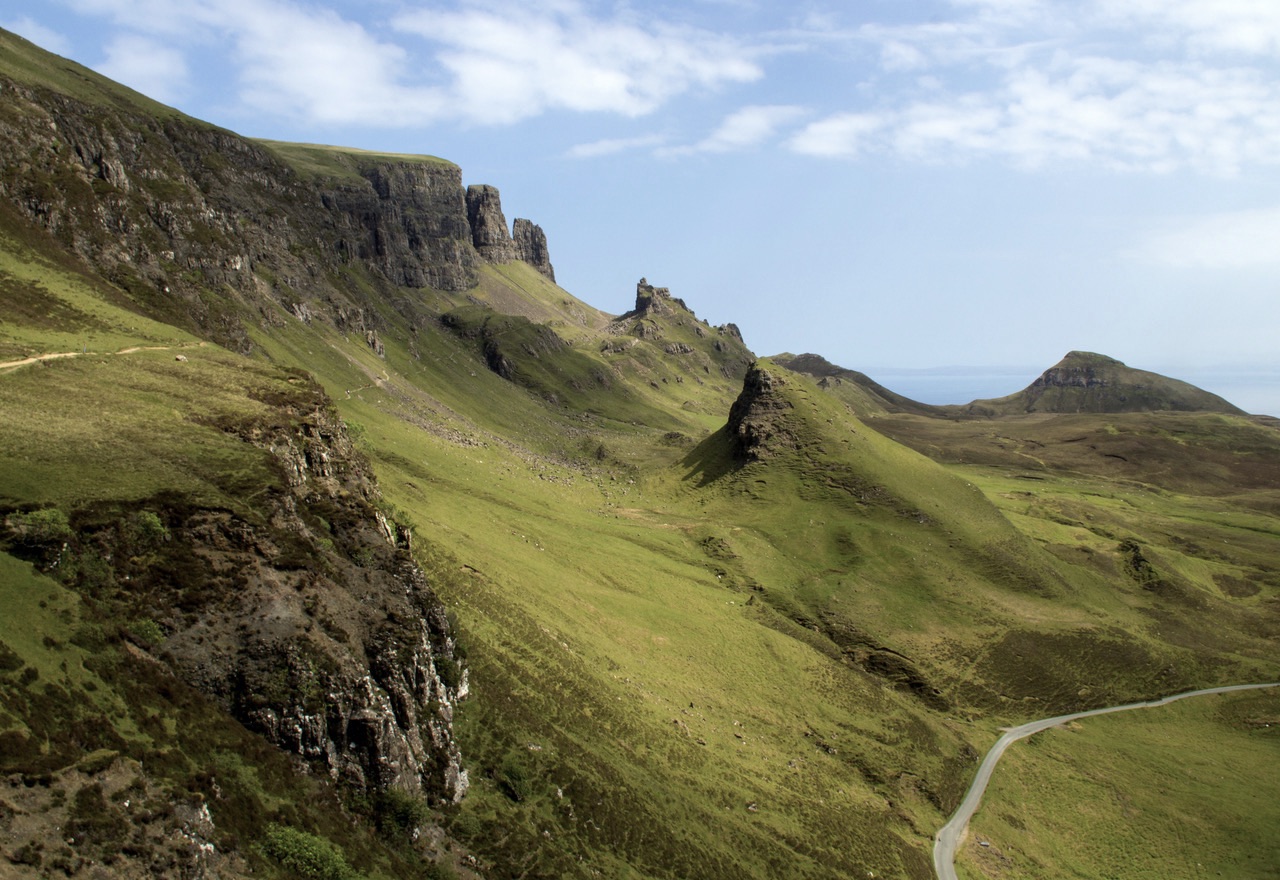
column 338, row 540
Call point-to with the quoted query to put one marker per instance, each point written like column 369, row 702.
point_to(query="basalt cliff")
column 211, row 230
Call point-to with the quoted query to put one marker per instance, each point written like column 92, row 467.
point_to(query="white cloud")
column 841, row 135
column 1234, row 240
column 45, row 38
column 743, row 129
column 319, row 66
column 156, row 70
column 510, row 61
column 485, row 61
column 1126, row 84
column 612, row 146
column 1206, row 26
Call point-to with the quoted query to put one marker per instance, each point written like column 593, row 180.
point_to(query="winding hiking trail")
column 947, row 839
column 40, row 358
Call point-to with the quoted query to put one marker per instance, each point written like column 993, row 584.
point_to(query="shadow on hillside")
column 711, row 459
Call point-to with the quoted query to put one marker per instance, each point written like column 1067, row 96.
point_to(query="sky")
column 948, row 195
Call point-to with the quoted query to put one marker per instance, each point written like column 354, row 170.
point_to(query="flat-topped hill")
column 1087, row 382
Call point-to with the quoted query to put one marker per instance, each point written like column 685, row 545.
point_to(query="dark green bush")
column 305, row 855
column 397, row 813
column 514, row 778
column 45, row 526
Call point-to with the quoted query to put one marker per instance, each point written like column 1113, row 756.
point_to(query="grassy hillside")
column 720, row 619
column 1084, row 381
column 27, row 63
column 1179, row 791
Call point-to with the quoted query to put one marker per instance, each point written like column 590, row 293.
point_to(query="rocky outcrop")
column 304, row 616
column 758, row 419
column 489, row 226
column 332, row 644
column 489, row 233
column 1078, row 370
column 652, row 300
column 531, row 246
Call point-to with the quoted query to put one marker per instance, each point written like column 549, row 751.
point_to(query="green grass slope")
column 936, row 577
column 716, row 625
column 1177, row 792
column 594, row 621
column 860, row 392
column 25, row 62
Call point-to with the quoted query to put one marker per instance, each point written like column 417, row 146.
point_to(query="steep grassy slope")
column 150, row 510
column 27, row 63
column 628, row 701
column 720, row 620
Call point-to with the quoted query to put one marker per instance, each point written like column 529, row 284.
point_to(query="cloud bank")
column 1128, row 85
column 1148, row 85
column 488, row 63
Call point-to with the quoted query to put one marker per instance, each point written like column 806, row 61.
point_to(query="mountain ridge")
column 712, row 618
column 1080, row 382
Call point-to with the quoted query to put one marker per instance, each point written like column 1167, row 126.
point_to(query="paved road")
column 946, row 841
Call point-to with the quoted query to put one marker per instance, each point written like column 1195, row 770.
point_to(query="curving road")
column 946, row 841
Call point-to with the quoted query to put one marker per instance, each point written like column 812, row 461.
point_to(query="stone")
column 531, row 245
column 489, row 233
column 759, row 418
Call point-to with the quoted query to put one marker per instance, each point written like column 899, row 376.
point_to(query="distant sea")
column 1253, row 389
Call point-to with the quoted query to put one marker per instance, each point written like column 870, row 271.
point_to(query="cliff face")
column 332, row 643
column 304, row 616
column 531, row 246
column 489, row 234
column 408, row 223
column 209, row 230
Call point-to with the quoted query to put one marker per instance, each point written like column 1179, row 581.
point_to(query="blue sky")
column 895, row 185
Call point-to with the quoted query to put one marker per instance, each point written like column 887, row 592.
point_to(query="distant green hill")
column 1087, row 382
column 862, row 393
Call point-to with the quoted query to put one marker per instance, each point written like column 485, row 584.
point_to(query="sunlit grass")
column 1185, row 790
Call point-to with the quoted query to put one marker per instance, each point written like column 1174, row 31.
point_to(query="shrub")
column 305, row 855
column 146, row 632
column 146, row 529
column 450, row 671
column 9, row 659
column 28, row 854
column 514, row 779
column 398, row 814
column 46, row 526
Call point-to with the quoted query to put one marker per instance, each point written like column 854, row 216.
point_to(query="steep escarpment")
column 216, row 233
column 329, row 640
column 303, row 616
